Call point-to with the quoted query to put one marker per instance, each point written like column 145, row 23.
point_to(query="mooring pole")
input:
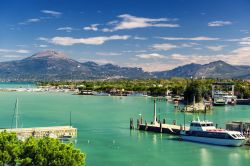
column 154, row 122
column 70, row 124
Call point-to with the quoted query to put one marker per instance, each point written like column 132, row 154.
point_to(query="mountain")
column 181, row 71
column 216, row 69
column 52, row 65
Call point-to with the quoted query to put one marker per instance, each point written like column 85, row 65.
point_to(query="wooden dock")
column 158, row 126
column 163, row 128
column 39, row 132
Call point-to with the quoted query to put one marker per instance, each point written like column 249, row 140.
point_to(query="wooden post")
column 131, row 123
column 155, row 116
column 138, row 124
column 141, row 120
column 160, row 127
column 164, row 121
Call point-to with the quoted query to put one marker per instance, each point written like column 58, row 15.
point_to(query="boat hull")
column 214, row 141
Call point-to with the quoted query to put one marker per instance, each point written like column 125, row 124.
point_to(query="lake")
column 104, row 134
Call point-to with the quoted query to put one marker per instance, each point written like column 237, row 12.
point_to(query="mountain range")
column 52, row 65
column 216, row 69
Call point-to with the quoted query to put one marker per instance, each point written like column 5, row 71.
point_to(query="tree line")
column 156, row 87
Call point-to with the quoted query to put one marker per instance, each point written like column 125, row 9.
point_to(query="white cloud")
column 134, row 51
column 245, row 43
column 239, row 56
column 8, row 57
column 92, row 27
column 199, row 38
column 235, row 57
column 245, row 39
column 52, row 13
column 132, row 22
column 164, row 46
column 33, row 20
column 67, row 29
column 219, row 23
column 150, row 56
column 22, row 51
column 42, row 38
column 244, row 31
column 67, row 41
column 189, row 44
column 40, row 46
column 215, row 48
column 242, row 41
column 29, row 21
column 2, row 50
column 140, row 38
column 108, row 53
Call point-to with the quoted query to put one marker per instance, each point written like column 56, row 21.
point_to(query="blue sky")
column 152, row 34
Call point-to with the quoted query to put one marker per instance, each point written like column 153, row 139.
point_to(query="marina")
column 103, row 130
column 237, row 133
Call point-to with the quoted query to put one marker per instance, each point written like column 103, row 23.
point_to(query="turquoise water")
column 17, row 85
column 103, row 129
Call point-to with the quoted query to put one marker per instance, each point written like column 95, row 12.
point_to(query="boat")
column 101, row 94
column 206, row 132
column 219, row 101
column 223, row 98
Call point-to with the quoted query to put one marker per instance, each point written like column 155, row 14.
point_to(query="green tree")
column 39, row 152
column 9, row 148
column 193, row 90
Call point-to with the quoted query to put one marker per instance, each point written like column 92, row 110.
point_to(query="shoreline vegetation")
column 151, row 87
column 195, row 94
column 42, row 151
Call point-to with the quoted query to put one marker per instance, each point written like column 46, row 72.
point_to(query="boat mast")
column 155, row 112
column 16, row 113
column 70, row 119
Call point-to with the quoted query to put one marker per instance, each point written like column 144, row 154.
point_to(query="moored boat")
column 206, row 132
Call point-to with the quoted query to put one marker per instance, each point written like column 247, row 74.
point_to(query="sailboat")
column 16, row 116
column 16, row 122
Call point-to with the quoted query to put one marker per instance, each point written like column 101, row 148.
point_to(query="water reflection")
column 205, row 157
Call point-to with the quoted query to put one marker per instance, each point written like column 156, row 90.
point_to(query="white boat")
column 206, row 132
column 223, row 98
column 100, row 94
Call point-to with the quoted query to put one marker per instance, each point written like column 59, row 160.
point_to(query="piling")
column 131, row 124
column 138, row 124
column 146, row 125
column 164, row 121
column 160, row 127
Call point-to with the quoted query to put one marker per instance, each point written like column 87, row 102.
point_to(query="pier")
column 39, row 132
column 163, row 128
column 158, row 126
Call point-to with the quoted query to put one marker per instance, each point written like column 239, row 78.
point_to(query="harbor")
column 237, row 133
column 102, row 124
